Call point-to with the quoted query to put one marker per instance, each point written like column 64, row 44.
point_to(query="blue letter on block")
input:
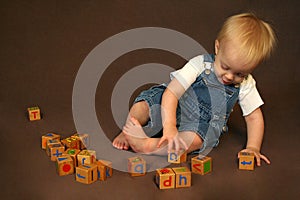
column 139, row 168
column 173, row 156
column 184, row 178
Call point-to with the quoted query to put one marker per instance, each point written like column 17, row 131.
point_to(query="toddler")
column 192, row 110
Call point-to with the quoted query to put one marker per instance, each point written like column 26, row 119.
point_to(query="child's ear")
column 217, row 46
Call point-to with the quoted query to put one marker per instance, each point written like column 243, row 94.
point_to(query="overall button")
column 225, row 129
column 207, row 71
column 237, row 85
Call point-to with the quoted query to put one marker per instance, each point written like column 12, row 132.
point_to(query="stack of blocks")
column 168, row 178
column 246, row 161
column 76, row 159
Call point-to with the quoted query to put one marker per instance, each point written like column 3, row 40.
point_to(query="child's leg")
column 140, row 143
column 139, row 111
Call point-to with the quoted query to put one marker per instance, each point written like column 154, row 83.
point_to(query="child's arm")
column 168, row 111
column 255, row 132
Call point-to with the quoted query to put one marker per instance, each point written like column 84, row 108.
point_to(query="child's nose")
column 229, row 76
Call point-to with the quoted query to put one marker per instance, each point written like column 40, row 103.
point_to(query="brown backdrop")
column 43, row 44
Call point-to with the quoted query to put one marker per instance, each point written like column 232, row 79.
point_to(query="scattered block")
column 34, row 113
column 49, row 136
column 173, row 157
column 73, row 154
column 183, row 177
column 86, row 157
column 104, row 169
column 56, row 150
column 71, row 142
column 201, row 165
column 87, row 174
column 84, row 140
column 136, row 166
column 49, row 143
column 246, row 161
column 64, row 165
column 165, row 178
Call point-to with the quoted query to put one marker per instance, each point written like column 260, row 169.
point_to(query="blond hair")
column 256, row 37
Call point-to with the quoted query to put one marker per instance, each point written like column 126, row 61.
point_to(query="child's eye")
column 224, row 67
column 241, row 75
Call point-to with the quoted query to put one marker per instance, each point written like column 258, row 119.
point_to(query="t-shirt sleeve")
column 249, row 97
column 189, row 72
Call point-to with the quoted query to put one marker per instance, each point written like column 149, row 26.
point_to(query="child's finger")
column 160, row 142
column 265, row 159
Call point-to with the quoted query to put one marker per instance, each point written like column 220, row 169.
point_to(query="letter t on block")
column 34, row 113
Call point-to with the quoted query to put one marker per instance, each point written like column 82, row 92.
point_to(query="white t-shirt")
column 249, row 98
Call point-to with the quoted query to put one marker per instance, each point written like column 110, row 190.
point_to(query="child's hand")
column 170, row 134
column 257, row 154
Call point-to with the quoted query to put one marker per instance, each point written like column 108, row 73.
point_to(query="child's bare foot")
column 137, row 139
column 120, row 142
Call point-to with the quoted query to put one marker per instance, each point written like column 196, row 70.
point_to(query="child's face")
column 230, row 67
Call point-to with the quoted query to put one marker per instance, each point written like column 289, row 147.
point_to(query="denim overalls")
column 204, row 108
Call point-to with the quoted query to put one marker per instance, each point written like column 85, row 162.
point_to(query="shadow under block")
column 64, row 165
column 104, row 169
column 56, row 150
column 173, row 157
column 73, row 154
column 201, row 165
column 136, row 166
column 34, row 113
column 87, row 173
column 246, row 161
column 86, row 157
column 49, row 136
column 165, row 178
column 183, row 177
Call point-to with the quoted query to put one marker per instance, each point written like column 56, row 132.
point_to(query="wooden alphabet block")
column 56, row 150
column 104, row 169
column 136, row 166
column 201, row 165
column 34, row 113
column 86, row 157
column 64, row 165
column 84, row 140
column 49, row 143
column 49, row 136
column 173, row 157
column 246, row 161
column 165, row 178
column 183, row 177
column 73, row 154
column 87, row 173
column 71, row 142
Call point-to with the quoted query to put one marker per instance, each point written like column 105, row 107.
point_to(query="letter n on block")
column 183, row 177
column 87, row 173
column 246, row 161
column 201, row 165
column 165, row 178
column 136, row 166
